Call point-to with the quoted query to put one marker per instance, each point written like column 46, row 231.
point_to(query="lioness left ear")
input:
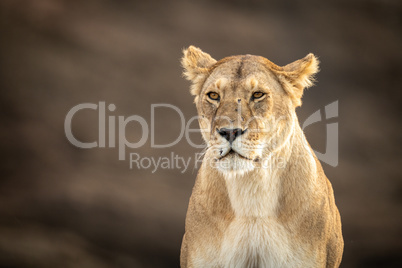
column 196, row 64
column 299, row 75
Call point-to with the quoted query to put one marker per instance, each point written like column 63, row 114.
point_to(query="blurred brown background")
column 61, row 206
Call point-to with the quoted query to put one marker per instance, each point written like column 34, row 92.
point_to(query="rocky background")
column 62, row 206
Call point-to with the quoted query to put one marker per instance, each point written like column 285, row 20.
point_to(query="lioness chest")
column 261, row 243
column 255, row 237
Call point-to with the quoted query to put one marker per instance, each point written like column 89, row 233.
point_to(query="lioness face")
column 243, row 110
column 246, row 107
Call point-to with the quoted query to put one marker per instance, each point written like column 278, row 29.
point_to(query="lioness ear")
column 299, row 75
column 196, row 65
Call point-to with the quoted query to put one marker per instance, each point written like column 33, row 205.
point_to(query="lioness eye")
column 257, row 95
column 213, row 95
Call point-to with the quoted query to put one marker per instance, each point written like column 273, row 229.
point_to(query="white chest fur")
column 256, row 243
column 255, row 238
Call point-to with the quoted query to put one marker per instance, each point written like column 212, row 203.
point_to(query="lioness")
column 261, row 198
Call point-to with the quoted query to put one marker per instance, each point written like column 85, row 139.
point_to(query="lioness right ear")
column 196, row 64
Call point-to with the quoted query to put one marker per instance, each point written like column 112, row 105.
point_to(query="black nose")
column 230, row 133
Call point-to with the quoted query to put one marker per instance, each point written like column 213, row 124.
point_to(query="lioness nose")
column 230, row 133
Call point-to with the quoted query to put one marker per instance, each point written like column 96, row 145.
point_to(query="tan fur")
column 268, row 204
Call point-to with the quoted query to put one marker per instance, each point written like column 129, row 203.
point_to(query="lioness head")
column 246, row 105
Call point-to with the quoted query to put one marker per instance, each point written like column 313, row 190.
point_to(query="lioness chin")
column 261, row 198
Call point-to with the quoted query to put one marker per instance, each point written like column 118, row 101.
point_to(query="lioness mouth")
column 233, row 153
